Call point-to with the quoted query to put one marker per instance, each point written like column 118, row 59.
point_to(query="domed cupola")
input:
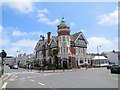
column 63, row 29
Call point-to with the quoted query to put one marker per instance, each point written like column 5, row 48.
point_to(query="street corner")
column 5, row 77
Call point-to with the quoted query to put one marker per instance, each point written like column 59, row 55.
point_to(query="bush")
column 23, row 66
column 51, row 66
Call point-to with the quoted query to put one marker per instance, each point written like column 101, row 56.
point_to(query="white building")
column 10, row 60
column 113, row 57
column 24, row 58
column 100, row 61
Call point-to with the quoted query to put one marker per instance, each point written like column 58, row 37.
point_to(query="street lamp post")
column 98, row 53
column 17, row 56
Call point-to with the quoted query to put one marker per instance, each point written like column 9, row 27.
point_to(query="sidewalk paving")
column 4, row 78
column 67, row 70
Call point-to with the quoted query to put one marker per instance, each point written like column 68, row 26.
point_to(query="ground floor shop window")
column 81, row 61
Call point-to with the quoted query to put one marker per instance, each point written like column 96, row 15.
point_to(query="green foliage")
column 55, row 52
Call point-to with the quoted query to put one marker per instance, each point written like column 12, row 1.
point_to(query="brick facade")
column 64, row 32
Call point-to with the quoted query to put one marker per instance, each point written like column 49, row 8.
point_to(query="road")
column 91, row 78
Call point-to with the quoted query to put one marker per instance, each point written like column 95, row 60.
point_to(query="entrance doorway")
column 65, row 65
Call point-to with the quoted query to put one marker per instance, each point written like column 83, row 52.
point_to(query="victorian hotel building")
column 71, row 48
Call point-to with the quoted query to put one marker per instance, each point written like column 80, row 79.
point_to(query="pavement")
column 67, row 70
column 4, row 78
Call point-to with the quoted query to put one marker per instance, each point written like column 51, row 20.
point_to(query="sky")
column 22, row 23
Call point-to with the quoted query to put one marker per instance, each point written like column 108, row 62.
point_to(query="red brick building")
column 72, row 47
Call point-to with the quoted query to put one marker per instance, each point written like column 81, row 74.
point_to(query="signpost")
column 3, row 54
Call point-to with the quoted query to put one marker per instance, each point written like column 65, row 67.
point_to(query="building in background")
column 9, row 60
column 113, row 56
column 100, row 61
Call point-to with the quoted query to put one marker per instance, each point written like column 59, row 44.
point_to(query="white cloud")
column 98, row 41
column 83, row 30
column 106, row 44
column 109, row 19
column 42, row 18
column 41, row 15
column 38, row 33
column 18, row 33
column 43, row 11
column 14, row 49
column 48, row 21
column 21, row 6
column 21, row 34
column 52, row 23
column 71, row 24
column 1, row 28
column 4, row 41
column 25, row 43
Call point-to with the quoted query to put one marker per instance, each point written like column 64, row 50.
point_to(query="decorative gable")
column 81, row 41
column 53, row 43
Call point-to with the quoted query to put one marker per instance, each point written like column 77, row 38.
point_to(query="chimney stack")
column 48, row 36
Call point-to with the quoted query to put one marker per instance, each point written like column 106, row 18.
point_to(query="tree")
column 3, row 54
column 55, row 56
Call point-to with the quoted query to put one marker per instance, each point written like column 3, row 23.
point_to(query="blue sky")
column 22, row 24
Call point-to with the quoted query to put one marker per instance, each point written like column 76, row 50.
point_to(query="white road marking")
column 41, row 84
column 32, row 80
column 28, row 77
column 22, row 78
column 15, row 76
column 46, row 74
column 113, row 77
column 50, row 74
column 16, row 72
column 4, row 85
column 12, row 79
column 34, row 76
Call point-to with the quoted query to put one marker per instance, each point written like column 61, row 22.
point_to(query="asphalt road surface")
column 91, row 78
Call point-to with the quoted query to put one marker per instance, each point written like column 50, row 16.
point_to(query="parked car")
column 14, row 66
column 110, row 65
column 115, row 69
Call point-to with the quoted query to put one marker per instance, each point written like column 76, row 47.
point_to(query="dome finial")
column 63, row 19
